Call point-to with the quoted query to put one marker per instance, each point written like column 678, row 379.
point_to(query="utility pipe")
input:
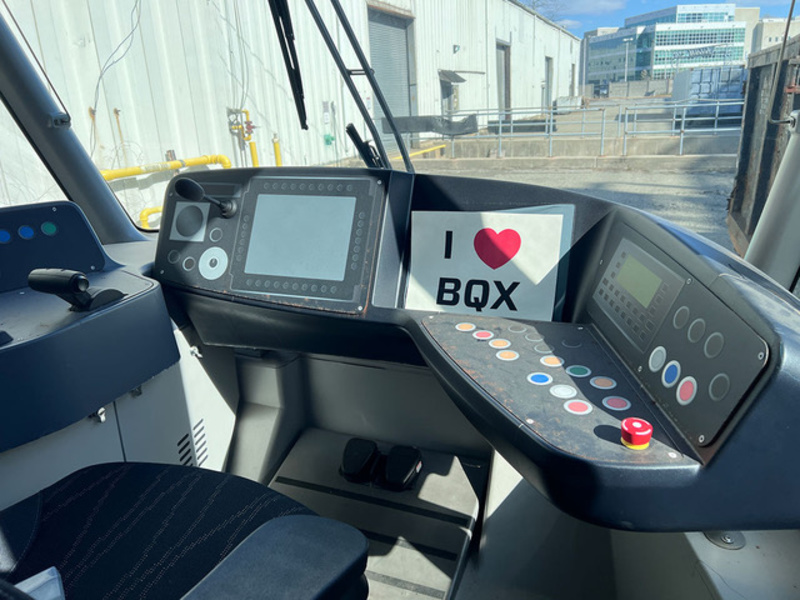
column 219, row 159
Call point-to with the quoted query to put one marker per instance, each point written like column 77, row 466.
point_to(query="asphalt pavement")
column 694, row 200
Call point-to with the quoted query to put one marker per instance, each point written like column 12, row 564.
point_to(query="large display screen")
column 302, row 237
column 639, row 281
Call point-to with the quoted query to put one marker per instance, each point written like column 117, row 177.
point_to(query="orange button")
column 499, row 343
column 465, row 327
column 507, row 355
column 552, row 361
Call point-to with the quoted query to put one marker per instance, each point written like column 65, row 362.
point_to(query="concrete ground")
column 694, row 199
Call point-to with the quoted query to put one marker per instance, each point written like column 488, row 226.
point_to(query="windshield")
column 646, row 109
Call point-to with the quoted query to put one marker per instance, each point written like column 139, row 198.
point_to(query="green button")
column 578, row 371
column 49, row 228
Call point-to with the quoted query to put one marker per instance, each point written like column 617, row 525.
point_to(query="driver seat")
column 135, row 530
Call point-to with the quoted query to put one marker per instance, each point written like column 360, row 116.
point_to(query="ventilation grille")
column 192, row 447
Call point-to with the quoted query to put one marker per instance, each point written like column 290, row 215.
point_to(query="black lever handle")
column 71, row 286
column 191, row 190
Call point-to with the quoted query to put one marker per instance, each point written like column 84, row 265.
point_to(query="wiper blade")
column 283, row 25
column 365, row 151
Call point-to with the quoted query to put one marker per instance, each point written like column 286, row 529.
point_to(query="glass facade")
column 667, row 41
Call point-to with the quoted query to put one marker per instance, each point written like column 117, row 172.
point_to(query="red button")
column 482, row 334
column 636, row 433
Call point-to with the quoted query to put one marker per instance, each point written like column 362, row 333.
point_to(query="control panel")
column 676, row 335
column 305, row 240
column 558, row 382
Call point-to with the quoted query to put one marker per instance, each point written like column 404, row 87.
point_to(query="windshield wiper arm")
column 283, row 25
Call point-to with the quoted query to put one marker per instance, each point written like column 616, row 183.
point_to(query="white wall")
column 189, row 62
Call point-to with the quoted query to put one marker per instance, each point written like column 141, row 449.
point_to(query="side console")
column 61, row 359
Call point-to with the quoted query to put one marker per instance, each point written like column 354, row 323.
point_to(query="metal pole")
column 583, row 120
column 603, row 132
column 716, row 117
column 550, row 134
column 619, row 121
column 625, row 135
column 775, row 246
column 499, row 134
column 683, row 129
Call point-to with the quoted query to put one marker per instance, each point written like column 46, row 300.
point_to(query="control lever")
column 73, row 287
column 191, row 190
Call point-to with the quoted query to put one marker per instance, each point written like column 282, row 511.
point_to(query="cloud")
column 569, row 24
column 591, row 7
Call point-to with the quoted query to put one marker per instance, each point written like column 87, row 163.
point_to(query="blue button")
column 5, row 237
column 26, row 232
column 671, row 373
column 540, row 378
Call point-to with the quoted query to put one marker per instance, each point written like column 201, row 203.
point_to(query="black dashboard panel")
column 307, row 240
column 658, row 325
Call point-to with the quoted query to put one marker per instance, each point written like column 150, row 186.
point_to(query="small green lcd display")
column 639, row 281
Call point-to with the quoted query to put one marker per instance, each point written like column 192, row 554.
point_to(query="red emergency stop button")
column 636, row 433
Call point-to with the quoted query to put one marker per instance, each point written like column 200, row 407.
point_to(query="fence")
column 604, row 129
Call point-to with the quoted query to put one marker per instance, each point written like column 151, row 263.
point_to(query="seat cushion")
column 133, row 530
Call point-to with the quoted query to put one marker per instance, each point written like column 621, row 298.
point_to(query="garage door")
column 389, row 55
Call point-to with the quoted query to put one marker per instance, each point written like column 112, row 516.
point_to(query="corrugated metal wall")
column 174, row 69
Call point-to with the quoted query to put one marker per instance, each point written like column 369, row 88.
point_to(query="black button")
column 189, row 221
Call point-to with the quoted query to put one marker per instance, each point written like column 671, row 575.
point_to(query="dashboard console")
column 648, row 322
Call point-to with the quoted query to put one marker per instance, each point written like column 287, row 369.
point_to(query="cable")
column 137, row 10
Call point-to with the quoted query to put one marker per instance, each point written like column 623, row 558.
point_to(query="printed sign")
column 491, row 263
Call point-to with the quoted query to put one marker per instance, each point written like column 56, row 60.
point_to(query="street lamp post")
column 627, row 41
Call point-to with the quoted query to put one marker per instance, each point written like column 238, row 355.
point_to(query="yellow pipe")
column 420, row 152
column 276, row 146
column 144, row 216
column 219, row 159
column 253, row 154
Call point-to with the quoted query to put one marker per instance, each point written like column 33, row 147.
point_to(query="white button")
column 657, row 358
column 213, row 263
column 563, row 391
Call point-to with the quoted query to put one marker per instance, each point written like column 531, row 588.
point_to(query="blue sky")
column 584, row 15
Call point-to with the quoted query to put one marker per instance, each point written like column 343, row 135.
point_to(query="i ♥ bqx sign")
column 498, row 263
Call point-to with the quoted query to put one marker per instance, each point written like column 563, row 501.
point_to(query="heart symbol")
column 496, row 249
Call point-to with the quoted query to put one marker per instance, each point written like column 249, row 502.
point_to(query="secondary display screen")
column 639, row 281
column 302, row 237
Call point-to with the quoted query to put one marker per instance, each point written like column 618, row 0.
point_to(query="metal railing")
column 647, row 118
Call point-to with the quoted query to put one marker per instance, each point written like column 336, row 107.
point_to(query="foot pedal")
column 359, row 460
column 403, row 465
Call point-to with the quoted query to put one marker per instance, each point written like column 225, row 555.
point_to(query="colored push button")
column 499, row 344
column 49, row 228
column 533, row 337
column 5, row 237
column 636, row 433
column 26, row 232
column 687, row 390
column 603, row 383
column 571, row 343
column 465, row 327
column 482, row 334
column 578, row 407
column 563, row 391
column 616, row 403
column 671, row 373
column 173, row 256
column 507, row 355
column 657, row 359
column 540, row 379
column 542, row 349
column 578, row 371
column 551, row 361
column 517, row 328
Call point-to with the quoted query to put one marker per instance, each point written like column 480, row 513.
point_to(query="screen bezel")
column 363, row 233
